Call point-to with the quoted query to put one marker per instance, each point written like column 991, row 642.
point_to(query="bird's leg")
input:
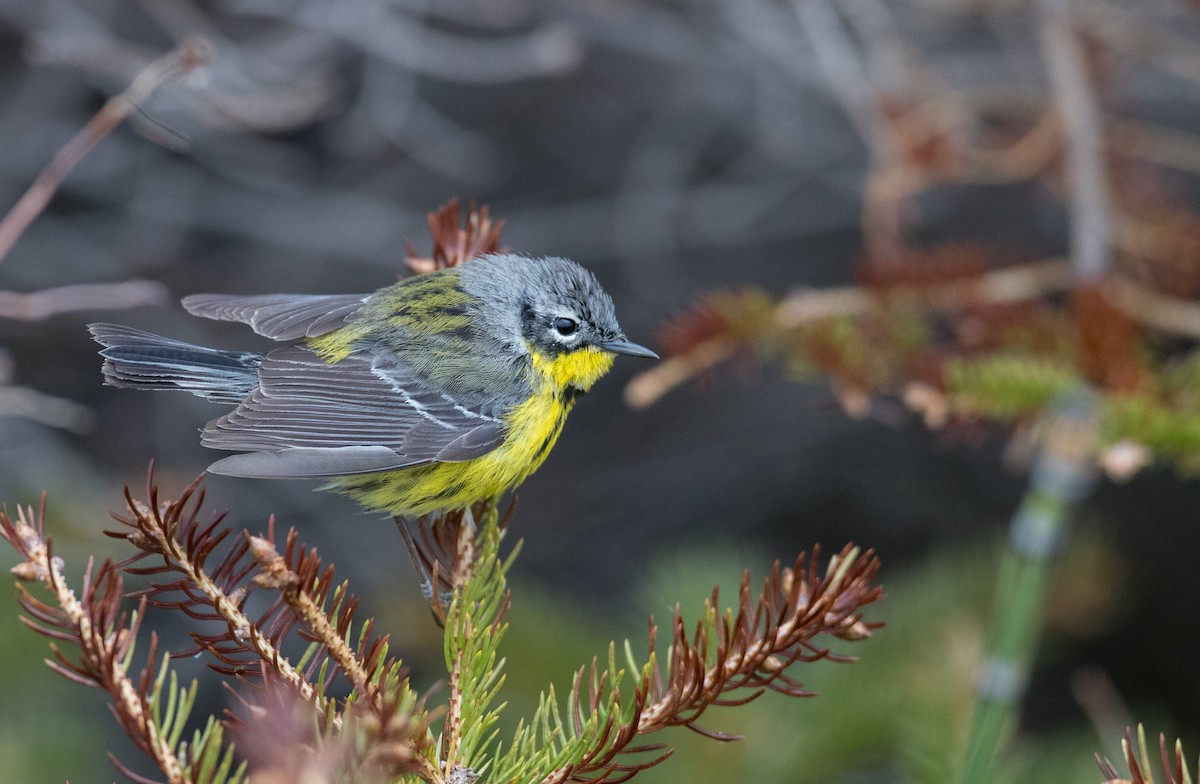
column 443, row 551
column 423, row 570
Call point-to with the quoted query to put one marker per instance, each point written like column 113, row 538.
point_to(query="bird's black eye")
column 565, row 326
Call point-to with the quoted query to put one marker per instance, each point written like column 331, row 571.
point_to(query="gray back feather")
column 279, row 316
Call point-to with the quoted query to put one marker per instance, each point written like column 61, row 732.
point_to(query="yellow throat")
column 576, row 370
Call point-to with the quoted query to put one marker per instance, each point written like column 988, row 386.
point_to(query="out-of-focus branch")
column 1130, row 32
column 1020, row 283
column 49, row 302
column 842, row 67
column 1022, row 159
column 1171, row 147
column 49, row 410
column 646, row 388
column 402, row 39
column 876, row 25
column 1011, row 284
column 1159, row 311
column 188, row 56
column 1080, row 111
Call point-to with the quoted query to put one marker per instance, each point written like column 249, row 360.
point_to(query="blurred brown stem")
column 1170, row 314
column 1170, row 147
column 189, row 55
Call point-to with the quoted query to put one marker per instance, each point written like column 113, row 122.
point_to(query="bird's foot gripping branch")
column 307, row 647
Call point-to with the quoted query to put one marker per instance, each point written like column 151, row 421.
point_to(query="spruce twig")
column 274, row 574
column 1137, row 759
column 173, row 529
column 733, row 656
column 105, row 635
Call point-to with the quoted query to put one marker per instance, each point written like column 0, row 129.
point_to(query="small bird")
column 431, row 394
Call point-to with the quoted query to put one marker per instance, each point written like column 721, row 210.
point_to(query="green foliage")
column 1170, row 433
column 474, row 630
column 1006, row 386
column 207, row 757
column 545, row 743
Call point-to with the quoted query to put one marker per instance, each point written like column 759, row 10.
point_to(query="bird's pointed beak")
column 627, row 347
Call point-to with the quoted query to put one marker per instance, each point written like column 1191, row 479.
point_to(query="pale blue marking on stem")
column 1062, row 475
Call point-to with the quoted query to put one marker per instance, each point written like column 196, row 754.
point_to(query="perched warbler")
column 430, row 394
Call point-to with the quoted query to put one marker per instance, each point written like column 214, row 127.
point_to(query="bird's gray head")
column 552, row 303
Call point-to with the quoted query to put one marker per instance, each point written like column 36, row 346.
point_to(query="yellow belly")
column 533, row 428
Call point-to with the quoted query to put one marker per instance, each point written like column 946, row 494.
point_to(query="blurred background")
column 674, row 148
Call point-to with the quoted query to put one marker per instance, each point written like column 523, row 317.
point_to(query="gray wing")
column 309, row 418
column 279, row 316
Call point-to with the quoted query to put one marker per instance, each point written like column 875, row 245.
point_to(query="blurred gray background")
column 671, row 147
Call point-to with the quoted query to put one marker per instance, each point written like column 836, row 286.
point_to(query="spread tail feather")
column 133, row 358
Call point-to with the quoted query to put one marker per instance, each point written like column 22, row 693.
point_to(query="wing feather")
column 279, row 316
column 365, row 413
column 309, row 462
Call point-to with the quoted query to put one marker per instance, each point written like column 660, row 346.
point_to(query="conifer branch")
column 750, row 650
column 456, row 240
column 298, row 592
column 474, row 628
column 105, row 636
column 383, row 729
column 723, row 331
column 1137, row 759
column 174, row 531
column 753, row 647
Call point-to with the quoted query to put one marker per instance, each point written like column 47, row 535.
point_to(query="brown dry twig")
column 770, row 631
column 188, row 56
column 96, row 624
column 748, row 649
column 175, row 531
column 454, row 241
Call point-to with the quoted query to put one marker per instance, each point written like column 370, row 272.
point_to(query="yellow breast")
column 533, row 428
